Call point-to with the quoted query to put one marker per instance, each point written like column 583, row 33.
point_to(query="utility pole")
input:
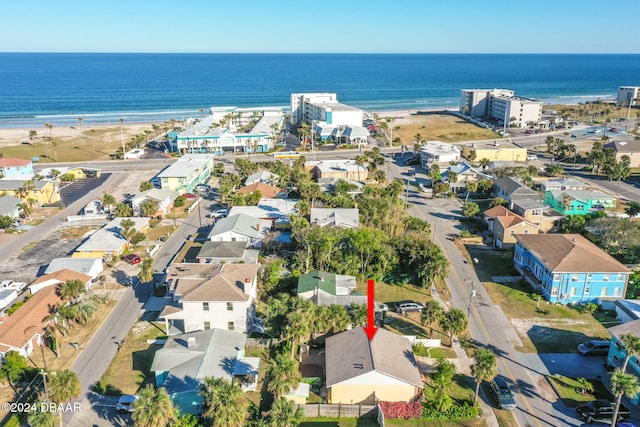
column 44, row 379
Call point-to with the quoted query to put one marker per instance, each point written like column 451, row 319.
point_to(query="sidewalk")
column 463, row 363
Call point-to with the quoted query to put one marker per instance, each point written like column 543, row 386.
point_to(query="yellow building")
column 43, row 192
column 107, row 242
column 498, row 150
column 362, row 371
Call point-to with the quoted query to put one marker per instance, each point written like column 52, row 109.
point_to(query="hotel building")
column 500, row 104
column 323, row 108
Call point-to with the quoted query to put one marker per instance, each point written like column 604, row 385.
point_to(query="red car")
column 132, row 259
column 190, row 196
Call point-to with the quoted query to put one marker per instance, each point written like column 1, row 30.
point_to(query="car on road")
column 125, row 403
column 503, row 395
column 404, row 307
column 132, row 259
column 594, row 348
column 601, row 411
column 282, row 144
column 220, row 213
column 573, row 135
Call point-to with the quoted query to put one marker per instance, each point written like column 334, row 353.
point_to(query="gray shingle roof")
column 335, row 217
column 222, row 249
column 350, row 354
column 8, row 204
column 241, row 224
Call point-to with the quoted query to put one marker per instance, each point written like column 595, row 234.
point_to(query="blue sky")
column 350, row 26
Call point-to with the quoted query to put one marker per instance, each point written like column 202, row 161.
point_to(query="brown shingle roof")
column 62, row 276
column 509, row 221
column 570, row 253
column 268, row 191
column 206, row 282
column 497, row 211
column 28, row 320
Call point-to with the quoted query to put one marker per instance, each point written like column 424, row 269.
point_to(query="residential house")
column 44, row 192
column 298, row 394
column 627, row 310
column 262, row 176
column 334, row 217
column 498, row 150
column 207, row 296
column 464, row 173
column 618, row 352
column 242, row 228
column 438, row 153
column 559, row 184
column 185, row 360
column 278, row 211
column 266, row 191
column 578, row 202
column 163, row 197
column 534, row 211
column 107, row 242
column 327, row 288
column 89, row 266
column 24, row 330
column 189, row 171
column 344, row 169
column 10, row 206
column 630, row 148
column 568, row 268
column 58, row 278
column 328, row 185
column 226, row 252
column 10, row 166
column 354, row 135
column 363, row 371
column 505, row 224
column 94, row 207
column 511, row 189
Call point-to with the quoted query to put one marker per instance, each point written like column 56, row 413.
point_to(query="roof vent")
column 247, row 280
column 358, row 366
column 191, row 342
column 573, row 239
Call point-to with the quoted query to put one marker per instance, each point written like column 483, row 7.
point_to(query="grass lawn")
column 567, row 388
column 390, row 293
column 130, row 368
column 438, row 127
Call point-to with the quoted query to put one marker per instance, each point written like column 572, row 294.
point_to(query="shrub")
column 393, row 410
column 14, row 307
column 454, row 413
column 179, row 201
column 421, row 350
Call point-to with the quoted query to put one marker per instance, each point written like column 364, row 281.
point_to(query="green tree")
column 622, row 384
column 284, row 413
column 149, row 207
column 123, row 210
column 56, row 327
column 633, row 209
column 434, row 174
column 484, row 367
column 63, row 386
column 360, row 161
column 284, row 375
column 573, row 224
column 72, row 289
column 127, row 229
column 146, row 185
column 470, row 209
column 584, row 386
column 224, row 404
column 484, row 162
column 146, row 270
column 431, row 314
column 152, row 408
column 631, row 346
column 499, row 201
column 39, row 418
column 453, row 322
column 14, row 366
column 108, row 201
column 442, row 383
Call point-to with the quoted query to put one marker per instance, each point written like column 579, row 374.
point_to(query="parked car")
column 594, row 348
column 404, row 307
column 132, row 259
column 601, row 411
column 502, row 393
column 125, row 403
column 190, row 196
column 531, row 157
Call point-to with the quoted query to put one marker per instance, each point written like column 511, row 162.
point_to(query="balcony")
column 529, row 277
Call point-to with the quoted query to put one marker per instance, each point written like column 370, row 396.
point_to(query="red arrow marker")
column 371, row 328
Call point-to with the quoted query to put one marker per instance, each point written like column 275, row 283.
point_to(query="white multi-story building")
column 323, row 108
column 436, row 152
column 500, row 104
column 628, row 94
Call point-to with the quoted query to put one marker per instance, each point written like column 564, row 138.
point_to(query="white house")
column 57, row 278
column 10, row 206
column 262, row 176
column 333, row 217
column 207, row 296
column 240, row 227
column 88, row 266
column 278, row 211
column 436, row 152
column 162, row 196
column 94, row 207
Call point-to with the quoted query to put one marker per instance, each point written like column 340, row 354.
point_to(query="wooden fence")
column 338, row 410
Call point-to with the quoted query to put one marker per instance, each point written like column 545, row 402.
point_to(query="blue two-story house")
column 618, row 352
column 569, row 269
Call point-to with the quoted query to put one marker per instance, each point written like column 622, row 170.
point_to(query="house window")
column 526, row 231
column 605, row 277
column 589, row 276
column 230, row 326
column 619, row 277
column 512, row 232
column 229, row 306
column 554, row 292
column 556, row 277
column 574, row 277
column 207, row 326
column 603, row 292
column 579, row 208
column 586, row 290
column 205, row 306
column 573, row 292
column 616, row 292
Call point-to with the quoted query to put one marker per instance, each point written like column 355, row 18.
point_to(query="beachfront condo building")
column 325, row 109
column 500, row 104
column 231, row 129
column 628, row 95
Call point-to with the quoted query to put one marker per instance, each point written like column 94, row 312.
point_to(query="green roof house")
column 327, row 288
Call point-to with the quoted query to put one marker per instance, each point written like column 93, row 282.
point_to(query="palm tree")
column 63, row 386
column 484, row 162
column 224, row 404
column 632, row 348
column 284, row 413
column 297, row 328
column 56, row 325
column 622, row 384
column 442, row 382
column 122, row 136
column 360, row 161
column 454, row 322
column 39, row 418
column 431, row 314
column 146, row 270
column 152, row 408
column 108, row 201
column 484, row 367
column 471, row 187
column 49, row 126
column 72, row 289
column 284, row 375
column 380, row 176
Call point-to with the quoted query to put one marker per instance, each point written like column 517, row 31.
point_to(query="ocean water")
column 60, row 87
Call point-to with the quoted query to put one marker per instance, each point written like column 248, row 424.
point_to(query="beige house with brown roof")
column 207, row 296
column 505, row 224
column 24, row 330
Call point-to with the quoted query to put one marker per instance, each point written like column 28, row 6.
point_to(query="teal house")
column 186, row 359
column 578, row 202
column 618, row 352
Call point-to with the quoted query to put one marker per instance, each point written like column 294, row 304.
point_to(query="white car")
column 125, row 403
column 531, row 157
column 220, row 213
